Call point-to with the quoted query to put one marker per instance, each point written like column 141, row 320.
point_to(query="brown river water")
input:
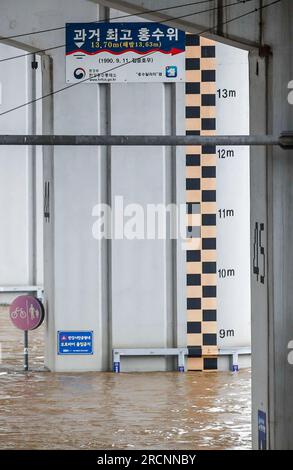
column 43, row 410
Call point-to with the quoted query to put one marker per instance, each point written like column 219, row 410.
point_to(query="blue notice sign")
column 75, row 342
column 117, row 38
column 262, row 430
column 124, row 52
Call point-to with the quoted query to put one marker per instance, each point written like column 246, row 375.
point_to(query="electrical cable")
column 123, row 65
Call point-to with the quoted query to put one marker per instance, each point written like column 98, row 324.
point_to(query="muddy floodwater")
column 42, row 410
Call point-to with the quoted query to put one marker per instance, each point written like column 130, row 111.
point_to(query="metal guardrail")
column 38, row 290
column 234, row 353
column 179, row 352
column 285, row 140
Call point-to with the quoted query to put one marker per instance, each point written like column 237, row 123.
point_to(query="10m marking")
column 223, row 273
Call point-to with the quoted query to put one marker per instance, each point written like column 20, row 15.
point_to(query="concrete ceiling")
column 195, row 18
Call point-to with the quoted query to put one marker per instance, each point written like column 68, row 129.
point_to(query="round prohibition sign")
column 26, row 312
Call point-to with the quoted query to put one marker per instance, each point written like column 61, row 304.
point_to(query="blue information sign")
column 124, row 52
column 117, row 38
column 75, row 342
column 262, row 430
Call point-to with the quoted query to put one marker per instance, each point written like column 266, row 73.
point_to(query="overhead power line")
column 58, row 28
column 255, row 10
column 41, row 51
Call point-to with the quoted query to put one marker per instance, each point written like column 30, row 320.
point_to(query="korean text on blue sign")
column 262, row 430
column 124, row 52
column 75, row 342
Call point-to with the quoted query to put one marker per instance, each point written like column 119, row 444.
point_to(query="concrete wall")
column 143, row 309
column 233, row 187
column 21, row 238
column 126, row 292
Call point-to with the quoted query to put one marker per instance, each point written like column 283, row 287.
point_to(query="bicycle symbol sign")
column 26, row 312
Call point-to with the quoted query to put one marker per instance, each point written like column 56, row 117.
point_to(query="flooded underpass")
column 43, row 410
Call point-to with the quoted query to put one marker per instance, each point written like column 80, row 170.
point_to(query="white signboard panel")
column 124, row 52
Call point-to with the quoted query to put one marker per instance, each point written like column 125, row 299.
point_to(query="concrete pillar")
column 271, row 236
column 280, row 231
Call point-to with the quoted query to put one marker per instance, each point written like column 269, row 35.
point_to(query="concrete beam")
column 199, row 18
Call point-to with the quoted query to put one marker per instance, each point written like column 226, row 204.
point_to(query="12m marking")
column 225, row 153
